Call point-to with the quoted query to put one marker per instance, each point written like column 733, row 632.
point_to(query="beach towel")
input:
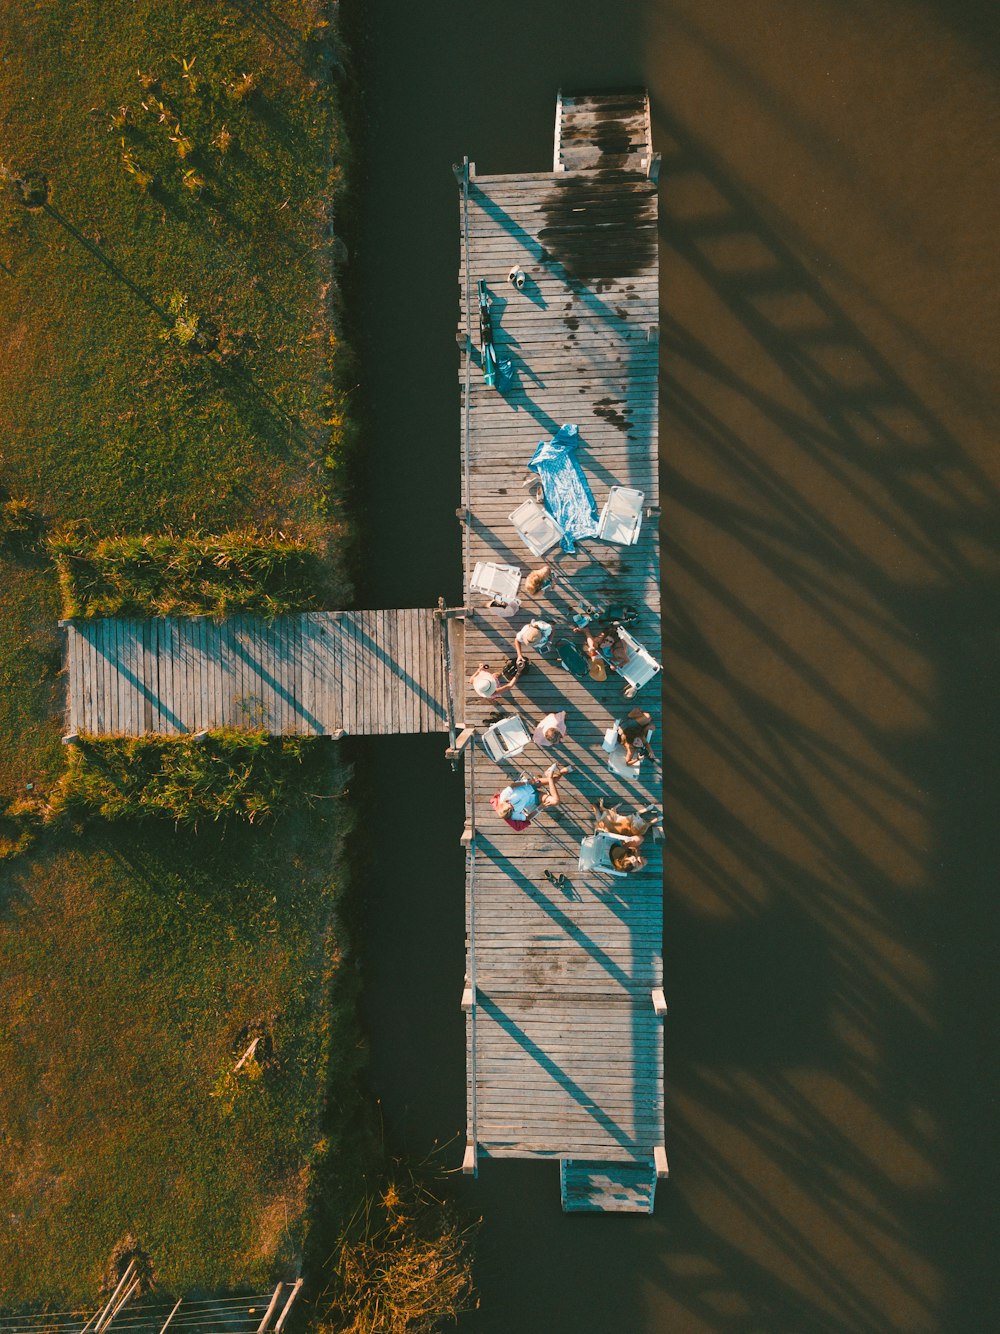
column 568, row 498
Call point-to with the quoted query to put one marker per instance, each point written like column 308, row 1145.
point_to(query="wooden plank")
column 136, row 667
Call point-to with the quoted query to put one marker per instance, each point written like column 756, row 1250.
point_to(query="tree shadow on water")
column 832, row 616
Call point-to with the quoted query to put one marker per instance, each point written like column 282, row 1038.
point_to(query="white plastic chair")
column 595, row 852
column 621, row 517
column 615, row 752
column 536, row 527
column 639, row 667
column 496, row 581
column 506, row 738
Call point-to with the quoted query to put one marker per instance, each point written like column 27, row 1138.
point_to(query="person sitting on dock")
column 519, row 802
column 605, row 645
column 537, row 581
column 536, row 635
column 626, row 856
column 634, row 827
column 635, row 736
column 486, row 682
column 551, row 729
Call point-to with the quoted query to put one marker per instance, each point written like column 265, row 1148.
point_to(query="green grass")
column 226, row 775
column 197, row 574
column 134, row 970
column 134, row 957
column 100, row 418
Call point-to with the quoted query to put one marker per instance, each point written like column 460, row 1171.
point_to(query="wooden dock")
column 564, row 1045
column 317, row 674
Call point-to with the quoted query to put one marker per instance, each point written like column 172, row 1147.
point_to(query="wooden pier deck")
column 316, row 674
column 564, row 1048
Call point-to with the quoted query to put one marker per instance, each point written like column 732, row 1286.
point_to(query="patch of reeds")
column 20, row 822
column 220, row 776
column 246, row 571
column 17, row 517
column 403, row 1265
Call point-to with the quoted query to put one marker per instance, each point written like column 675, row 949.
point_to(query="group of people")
column 518, row 803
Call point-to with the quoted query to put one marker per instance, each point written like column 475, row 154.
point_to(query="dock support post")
column 659, row 1002
column 468, row 997
column 288, row 1305
column 653, row 170
column 466, row 839
column 71, row 739
column 171, row 1315
column 660, row 1161
column 270, row 1310
column 470, row 1165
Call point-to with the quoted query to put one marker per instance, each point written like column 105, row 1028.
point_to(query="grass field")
column 136, row 970
column 168, row 358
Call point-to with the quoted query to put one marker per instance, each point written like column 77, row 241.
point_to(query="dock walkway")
column 564, row 1047
column 316, row 674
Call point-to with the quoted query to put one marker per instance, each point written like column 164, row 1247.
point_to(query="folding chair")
column 615, row 751
column 621, row 517
column 506, row 738
column 595, row 853
column 640, row 665
column 496, row 581
column 536, row 527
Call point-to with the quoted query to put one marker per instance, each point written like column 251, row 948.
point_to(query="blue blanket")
column 568, row 498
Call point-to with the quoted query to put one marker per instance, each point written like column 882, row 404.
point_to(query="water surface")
column 831, row 589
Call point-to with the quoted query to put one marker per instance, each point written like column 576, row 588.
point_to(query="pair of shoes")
column 516, row 278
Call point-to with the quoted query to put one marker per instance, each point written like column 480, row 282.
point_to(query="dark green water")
column 830, row 420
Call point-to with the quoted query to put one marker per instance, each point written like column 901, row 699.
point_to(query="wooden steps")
column 607, row 1187
column 603, row 132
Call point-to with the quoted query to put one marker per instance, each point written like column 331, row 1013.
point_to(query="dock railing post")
column 266, row 1319
column 451, row 752
column 288, row 1305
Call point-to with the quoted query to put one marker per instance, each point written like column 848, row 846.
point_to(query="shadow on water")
column 831, row 600
column 831, row 552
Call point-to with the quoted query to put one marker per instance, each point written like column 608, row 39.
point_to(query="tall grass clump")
column 264, row 573
column 403, row 1265
column 246, row 776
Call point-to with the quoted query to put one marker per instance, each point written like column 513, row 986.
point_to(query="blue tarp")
column 568, row 498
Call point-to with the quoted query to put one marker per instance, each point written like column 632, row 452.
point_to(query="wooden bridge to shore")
column 563, row 988
column 326, row 673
